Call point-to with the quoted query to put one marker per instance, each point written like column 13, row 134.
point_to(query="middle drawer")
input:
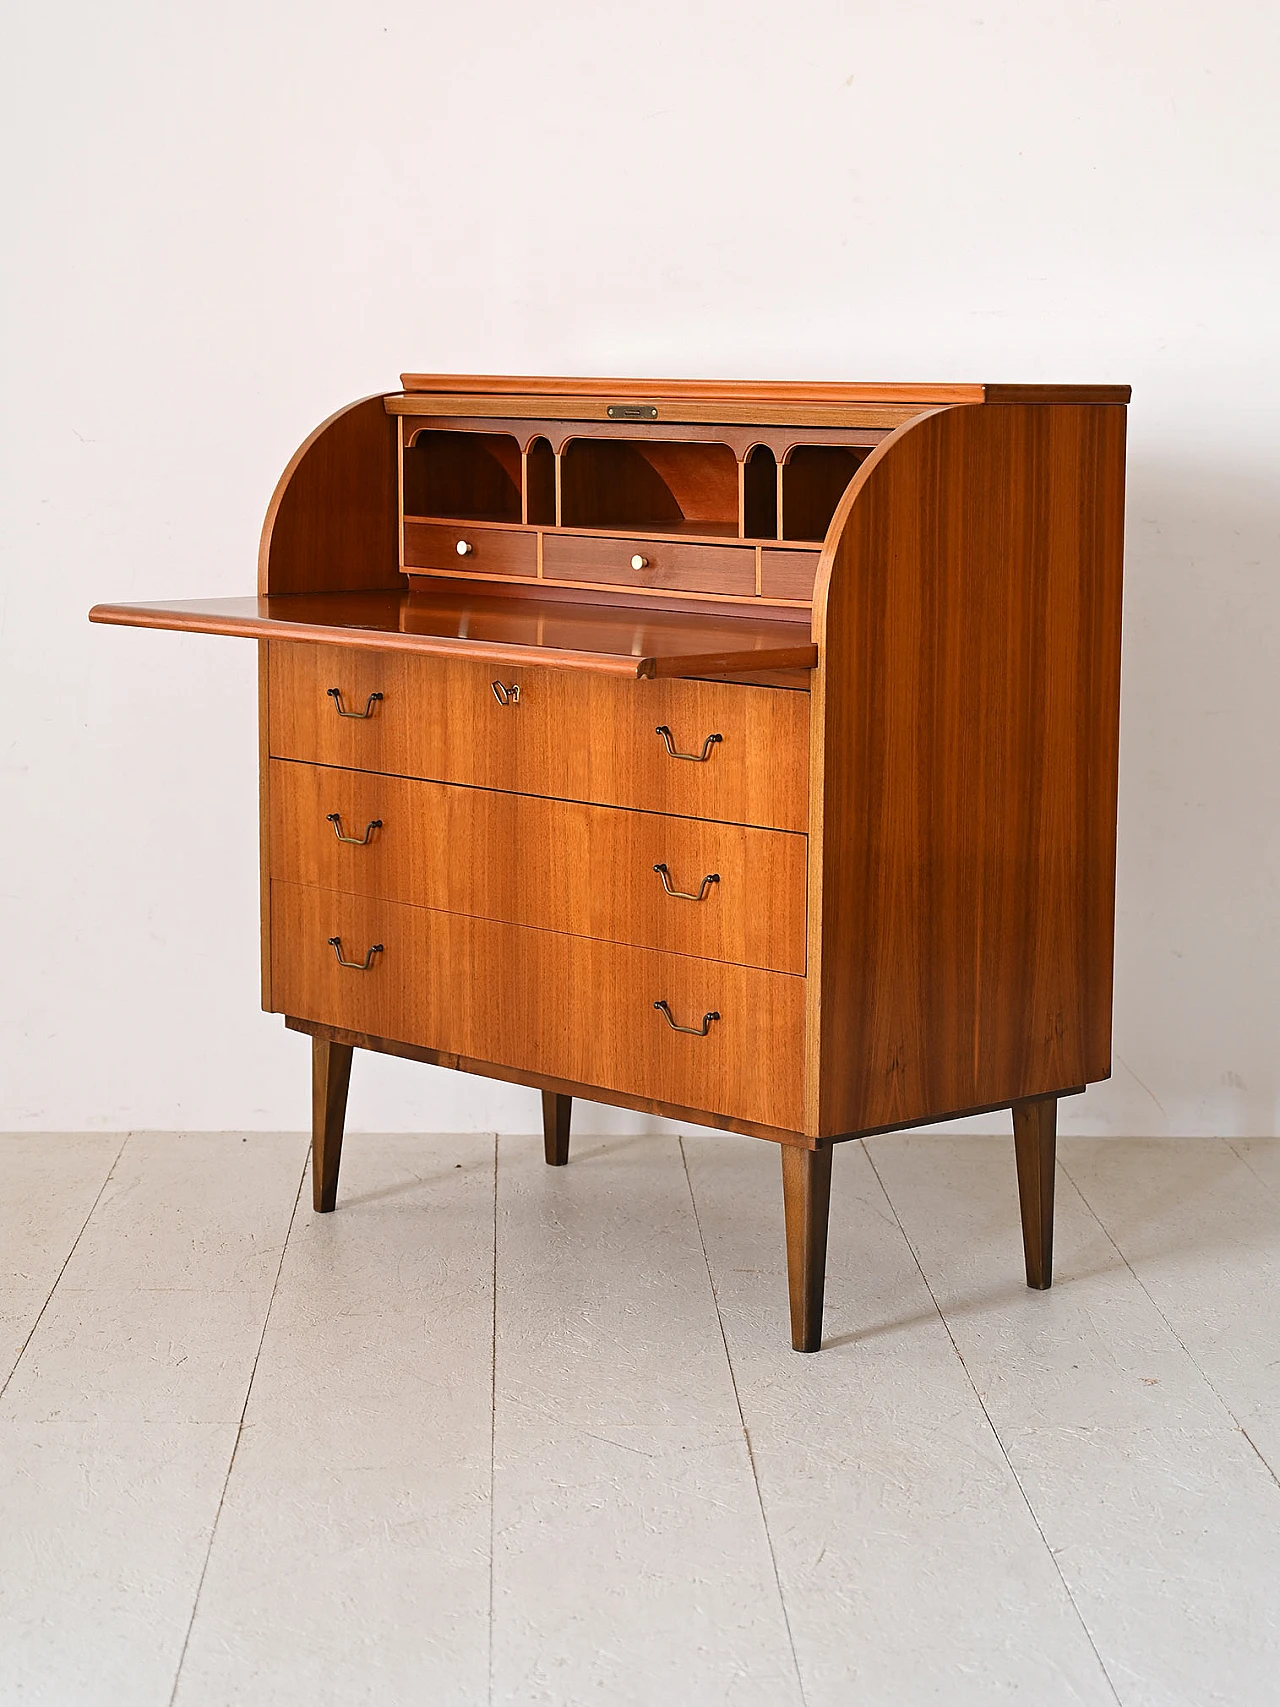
column 558, row 865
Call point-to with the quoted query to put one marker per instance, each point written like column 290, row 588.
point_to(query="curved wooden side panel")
column 333, row 522
column 964, row 749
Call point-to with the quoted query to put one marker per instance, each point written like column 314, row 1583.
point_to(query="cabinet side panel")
column 264, row 816
column 970, row 710
column 333, row 524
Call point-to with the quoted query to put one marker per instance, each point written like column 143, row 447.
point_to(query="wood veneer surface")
column 747, row 391
column 571, row 734
column 556, row 864
column 567, row 1006
column 616, row 639
column 964, row 749
column 333, row 521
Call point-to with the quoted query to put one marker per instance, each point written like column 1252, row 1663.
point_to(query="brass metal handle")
column 335, row 818
column 685, row 894
column 504, row 694
column 335, row 694
column 335, row 943
column 695, row 758
column 689, row 1030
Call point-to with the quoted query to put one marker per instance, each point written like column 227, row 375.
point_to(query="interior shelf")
column 649, row 485
column 466, row 476
column 814, row 479
column 760, row 494
column 682, row 488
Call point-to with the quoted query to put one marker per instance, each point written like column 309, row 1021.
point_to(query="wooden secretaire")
column 740, row 753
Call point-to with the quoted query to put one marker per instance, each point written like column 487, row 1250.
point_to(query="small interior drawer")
column 464, row 545
column 787, row 574
column 670, row 565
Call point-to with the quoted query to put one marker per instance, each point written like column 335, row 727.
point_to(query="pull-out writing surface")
column 618, row 640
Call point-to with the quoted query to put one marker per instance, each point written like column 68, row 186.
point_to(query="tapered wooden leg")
column 1035, row 1132
column 555, row 1127
column 806, row 1198
column 330, row 1076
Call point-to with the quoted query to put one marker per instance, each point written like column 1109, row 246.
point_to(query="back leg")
column 555, row 1127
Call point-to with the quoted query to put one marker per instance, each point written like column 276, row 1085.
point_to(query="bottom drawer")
column 569, row 1007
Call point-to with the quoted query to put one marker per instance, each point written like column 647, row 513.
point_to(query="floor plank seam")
column 1261, row 1178
column 57, row 1281
column 995, row 1433
column 231, row 1461
column 1186, row 1350
column 746, row 1432
column 493, row 1416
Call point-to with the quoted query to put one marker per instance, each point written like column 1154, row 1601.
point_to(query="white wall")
column 227, row 219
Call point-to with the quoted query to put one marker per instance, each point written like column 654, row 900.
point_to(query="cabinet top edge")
column 765, row 391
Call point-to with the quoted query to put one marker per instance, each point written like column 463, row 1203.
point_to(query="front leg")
column 1035, row 1136
column 330, row 1077
column 806, row 1199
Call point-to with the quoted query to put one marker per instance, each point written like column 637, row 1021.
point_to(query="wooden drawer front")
column 571, row 734
column 494, row 551
column 555, row 864
column 669, row 564
column 566, row 1006
column 787, row 574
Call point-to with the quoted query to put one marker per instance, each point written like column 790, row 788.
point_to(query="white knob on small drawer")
column 638, row 562
column 464, row 548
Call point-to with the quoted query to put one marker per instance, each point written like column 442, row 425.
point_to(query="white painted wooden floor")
column 496, row 1432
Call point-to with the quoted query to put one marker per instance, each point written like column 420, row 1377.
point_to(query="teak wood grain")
column 964, row 745
column 572, row 735
column 605, row 637
column 806, row 1201
column 333, row 522
column 419, row 415
column 531, row 1077
column 557, row 1111
column 759, row 390
column 912, row 910
column 1035, row 1134
column 787, row 574
column 672, row 564
column 554, row 864
column 490, row 550
column 445, row 981
column 330, row 1080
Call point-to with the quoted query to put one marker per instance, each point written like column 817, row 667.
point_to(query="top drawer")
column 565, row 734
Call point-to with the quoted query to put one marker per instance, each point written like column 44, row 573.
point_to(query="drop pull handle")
column 685, row 894
column 335, row 818
column 689, row 1030
column 335, row 694
column 335, row 943
column 694, row 758
column 506, row 694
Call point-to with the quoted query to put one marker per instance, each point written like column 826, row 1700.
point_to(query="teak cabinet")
column 740, row 753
